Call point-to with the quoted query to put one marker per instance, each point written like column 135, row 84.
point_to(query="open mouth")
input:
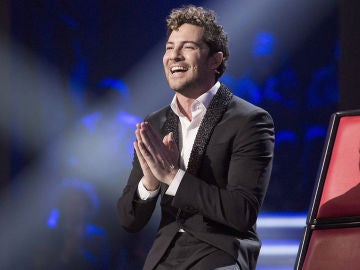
column 176, row 69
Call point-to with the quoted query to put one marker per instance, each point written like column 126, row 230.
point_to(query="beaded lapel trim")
column 214, row 113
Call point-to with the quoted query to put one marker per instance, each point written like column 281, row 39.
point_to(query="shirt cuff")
column 172, row 189
column 145, row 194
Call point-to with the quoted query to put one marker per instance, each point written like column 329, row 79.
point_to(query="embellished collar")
column 204, row 99
column 215, row 111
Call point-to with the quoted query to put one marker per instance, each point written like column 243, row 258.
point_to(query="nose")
column 175, row 54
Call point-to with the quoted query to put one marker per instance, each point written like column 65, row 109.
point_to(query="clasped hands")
column 158, row 157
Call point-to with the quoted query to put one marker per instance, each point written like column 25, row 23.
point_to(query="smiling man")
column 207, row 155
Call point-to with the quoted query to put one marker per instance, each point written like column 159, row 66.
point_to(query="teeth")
column 177, row 68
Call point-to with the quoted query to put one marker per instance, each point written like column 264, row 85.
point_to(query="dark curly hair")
column 214, row 35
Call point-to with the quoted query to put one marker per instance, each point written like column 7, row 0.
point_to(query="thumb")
column 172, row 144
column 169, row 141
column 166, row 139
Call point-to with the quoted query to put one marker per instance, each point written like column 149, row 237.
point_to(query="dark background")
column 78, row 74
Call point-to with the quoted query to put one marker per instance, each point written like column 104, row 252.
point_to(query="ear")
column 216, row 60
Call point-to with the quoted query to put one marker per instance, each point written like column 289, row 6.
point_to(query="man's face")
column 188, row 67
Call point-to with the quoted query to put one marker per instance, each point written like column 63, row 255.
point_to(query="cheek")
column 165, row 58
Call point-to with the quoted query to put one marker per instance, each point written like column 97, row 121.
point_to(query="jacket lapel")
column 171, row 124
column 214, row 113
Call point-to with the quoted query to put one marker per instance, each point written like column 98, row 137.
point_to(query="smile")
column 175, row 69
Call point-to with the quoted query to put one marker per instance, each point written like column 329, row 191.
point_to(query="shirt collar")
column 204, row 99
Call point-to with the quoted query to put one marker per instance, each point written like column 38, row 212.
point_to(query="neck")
column 186, row 98
column 184, row 104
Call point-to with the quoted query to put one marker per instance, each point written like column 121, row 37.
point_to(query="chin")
column 177, row 87
column 180, row 87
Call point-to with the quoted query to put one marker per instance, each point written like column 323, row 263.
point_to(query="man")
column 208, row 156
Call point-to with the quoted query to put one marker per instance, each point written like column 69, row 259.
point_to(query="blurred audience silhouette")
column 69, row 239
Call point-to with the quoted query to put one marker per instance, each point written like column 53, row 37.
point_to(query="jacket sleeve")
column 246, row 162
column 134, row 213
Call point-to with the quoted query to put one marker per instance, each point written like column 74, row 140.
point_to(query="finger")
column 145, row 152
column 171, row 143
column 152, row 163
column 141, row 159
column 172, row 153
column 166, row 139
column 151, row 143
column 155, row 157
column 137, row 132
column 146, row 144
column 155, row 145
column 153, row 132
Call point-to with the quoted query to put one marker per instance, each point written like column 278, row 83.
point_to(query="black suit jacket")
column 221, row 193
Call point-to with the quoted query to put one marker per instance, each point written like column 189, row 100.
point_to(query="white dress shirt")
column 187, row 133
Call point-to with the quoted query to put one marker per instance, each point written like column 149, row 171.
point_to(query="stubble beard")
column 185, row 88
column 191, row 89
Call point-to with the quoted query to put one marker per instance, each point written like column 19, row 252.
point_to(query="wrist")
column 151, row 188
column 170, row 177
column 150, row 185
